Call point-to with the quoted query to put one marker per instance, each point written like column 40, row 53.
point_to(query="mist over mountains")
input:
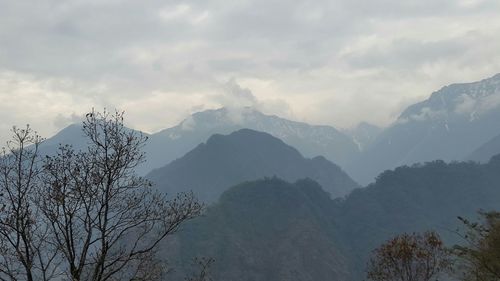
column 484, row 152
column 364, row 134
column 342, row 140
column 273, row 230
column 172, row 143
column 283, row 199
column 451, row 125
column 244, row 155
column 267, row 229
column 310, row 140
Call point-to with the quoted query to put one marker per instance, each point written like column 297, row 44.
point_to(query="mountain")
column 364, row 134
column 311, row 141
column 421, row 197
column 74, row 136
column 273, row 230
column 172, row 143
column 70, row 135
column 449, row 125
column 265, row 230
column 486, row 151
column 226, row 160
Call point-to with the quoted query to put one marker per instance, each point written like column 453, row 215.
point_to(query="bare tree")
column 203, row 265
column 105, row 220
column 408, row 257
column 24, row 253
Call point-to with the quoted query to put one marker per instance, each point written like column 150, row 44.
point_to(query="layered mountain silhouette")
column 273, row 230
column 172, row 143
column 285, row 228
column 450, row 125
column 310, row 140
column 226, row 160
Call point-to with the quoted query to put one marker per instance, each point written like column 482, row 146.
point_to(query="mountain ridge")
column 449, row 125
column 225, row 160
column 258, row 223
column 310, row 140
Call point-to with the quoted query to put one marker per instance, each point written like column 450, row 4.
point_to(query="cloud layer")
column 330, row 62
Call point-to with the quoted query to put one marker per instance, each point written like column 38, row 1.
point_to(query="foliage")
column 244, row 230
column 479, row 258
column 409, row 257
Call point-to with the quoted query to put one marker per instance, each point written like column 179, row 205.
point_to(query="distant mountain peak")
column 250, row 138
column 449, row 125
column 224, row 116
column 310, row 140
column 226, row 160
column 469, row 100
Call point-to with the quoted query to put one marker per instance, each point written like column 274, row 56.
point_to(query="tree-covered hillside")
column 273, row 230
column 417, row 198
column 267, row 230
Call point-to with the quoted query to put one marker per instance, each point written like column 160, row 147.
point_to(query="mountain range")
column 273, row 230
column 172, row 143
column 244, row 155
column 264, row 221
column 451, row 124
column 310, row 140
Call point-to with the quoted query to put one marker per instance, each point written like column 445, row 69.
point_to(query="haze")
column 324, row 62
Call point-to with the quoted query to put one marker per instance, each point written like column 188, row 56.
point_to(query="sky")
column 334, row 62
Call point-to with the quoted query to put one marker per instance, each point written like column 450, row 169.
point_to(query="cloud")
column 425, row 114
column 237, row 99
column 233, row 95
column 465, row 104
column 330, row 62
column 188, row 124
column 62, row 121
column 490, row 102
column 43, row 103
column 183, row 12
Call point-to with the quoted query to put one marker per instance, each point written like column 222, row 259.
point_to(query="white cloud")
column 61, row 121
column 233, row 95
column 183, row 12
column 188, row 124
column 465, row 104
column 425, row 114
column 44, row 104
column 176, row 12
column 490, row 102
column 329, row 62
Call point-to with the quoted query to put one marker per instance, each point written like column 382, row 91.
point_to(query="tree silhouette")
column 84, row 215
column 479, row 258
column 409, row 257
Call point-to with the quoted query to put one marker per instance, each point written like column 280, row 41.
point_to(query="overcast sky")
column 334, row 62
